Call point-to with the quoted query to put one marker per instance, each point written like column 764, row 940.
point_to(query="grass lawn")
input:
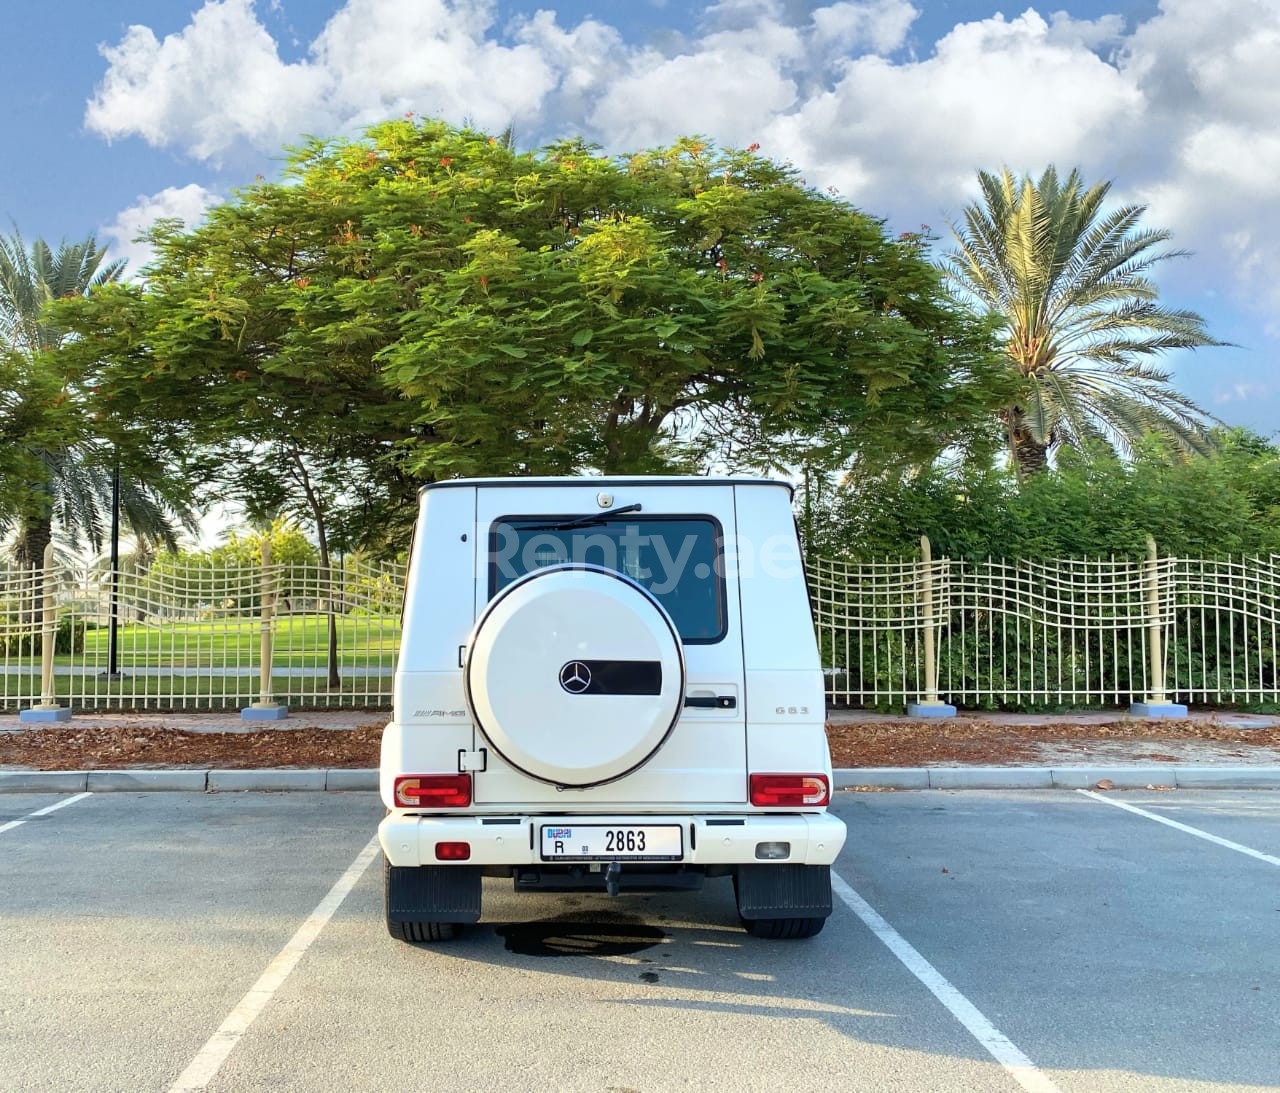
column 194, row 692
column 300, row 640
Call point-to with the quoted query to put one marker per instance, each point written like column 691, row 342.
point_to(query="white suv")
column 607, row 684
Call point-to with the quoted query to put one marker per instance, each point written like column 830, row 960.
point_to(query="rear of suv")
column 607, row 684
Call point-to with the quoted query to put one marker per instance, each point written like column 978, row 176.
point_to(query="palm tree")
column 72, row 472
column 1083, row 326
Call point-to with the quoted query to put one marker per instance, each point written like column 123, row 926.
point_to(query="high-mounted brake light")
column 433, row 790
column 791, row 790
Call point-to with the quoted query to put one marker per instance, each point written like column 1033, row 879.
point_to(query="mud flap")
column 784, row 891
column 433, row 893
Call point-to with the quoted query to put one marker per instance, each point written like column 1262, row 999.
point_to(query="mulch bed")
column 857, row 744
column 975, row 741
column 139, row 746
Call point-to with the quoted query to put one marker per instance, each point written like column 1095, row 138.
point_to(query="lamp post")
column 113, row 624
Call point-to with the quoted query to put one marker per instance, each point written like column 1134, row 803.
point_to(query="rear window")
column 677, row 558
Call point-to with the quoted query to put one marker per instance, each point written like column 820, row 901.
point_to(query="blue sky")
column 125, row 111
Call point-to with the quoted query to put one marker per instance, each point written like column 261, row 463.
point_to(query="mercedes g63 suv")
column 609, row 684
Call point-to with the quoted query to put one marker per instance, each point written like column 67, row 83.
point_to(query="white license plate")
column 610, row 842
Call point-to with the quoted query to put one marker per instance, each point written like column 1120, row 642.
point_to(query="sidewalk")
column 211, row 720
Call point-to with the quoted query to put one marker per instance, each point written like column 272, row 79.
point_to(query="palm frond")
column 1070, row 282
column 74, row 487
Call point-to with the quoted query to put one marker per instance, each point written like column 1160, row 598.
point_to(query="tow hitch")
column 611, row 874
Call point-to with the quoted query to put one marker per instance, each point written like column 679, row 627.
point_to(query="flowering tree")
column 425, row 302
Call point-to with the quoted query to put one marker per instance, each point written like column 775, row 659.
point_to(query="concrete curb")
column 351, row 778
column 280, row 779
column 109, row 781
column 1059, row 777
column 43, row 781
column 187, row 781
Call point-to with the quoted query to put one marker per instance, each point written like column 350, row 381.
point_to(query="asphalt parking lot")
column 982, row 941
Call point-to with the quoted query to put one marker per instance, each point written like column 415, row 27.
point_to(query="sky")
column 124, row 111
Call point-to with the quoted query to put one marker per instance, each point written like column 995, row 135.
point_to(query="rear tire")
column 414, row 932
column 779, row 929
column 782, row 929
column 423, row 931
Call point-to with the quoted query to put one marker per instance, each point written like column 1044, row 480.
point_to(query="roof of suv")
column 610, row 480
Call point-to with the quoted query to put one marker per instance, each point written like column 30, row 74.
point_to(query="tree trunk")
column 629, row 440
column 33, row 537
column 326, row 569
column 1030, row 456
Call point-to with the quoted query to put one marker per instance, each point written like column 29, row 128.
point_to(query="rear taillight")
column 789, row 790
column 453, row 851
column 433, row 791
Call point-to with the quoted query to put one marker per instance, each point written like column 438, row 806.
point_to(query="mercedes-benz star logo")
column 575, row 677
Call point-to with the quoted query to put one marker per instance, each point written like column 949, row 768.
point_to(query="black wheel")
column 778, row 929
column 423, row 931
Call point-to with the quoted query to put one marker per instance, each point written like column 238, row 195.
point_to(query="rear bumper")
column 815, row 837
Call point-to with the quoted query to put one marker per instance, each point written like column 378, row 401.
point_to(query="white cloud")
column 1179, row 109
column 382, row 57
column 186, row 203
column 220, row 86
column 216, row 84
column 1210, row 151
column 857, row 24
column 923, row 126
column 1243, row 392
column 728, row 94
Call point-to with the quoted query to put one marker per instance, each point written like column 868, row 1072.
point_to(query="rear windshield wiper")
column 590, row 520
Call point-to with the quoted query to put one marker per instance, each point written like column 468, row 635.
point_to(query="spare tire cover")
column 575, row 675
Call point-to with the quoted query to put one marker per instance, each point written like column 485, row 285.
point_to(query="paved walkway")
column 229, row 720
column 214, row 720
column 286, row 671
column 1225, row 718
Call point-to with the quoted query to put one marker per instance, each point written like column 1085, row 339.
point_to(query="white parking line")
column 43, row 811
column 201, row 1070
column 998, row 1045
column 1237, row 847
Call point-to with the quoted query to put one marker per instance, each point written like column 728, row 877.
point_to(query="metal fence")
column 189, row 636
column 1024, row 634
column 1068, row 632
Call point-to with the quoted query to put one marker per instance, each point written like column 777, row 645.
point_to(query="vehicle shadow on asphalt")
column 688, row 953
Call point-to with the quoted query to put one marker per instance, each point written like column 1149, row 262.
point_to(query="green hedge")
column 67, row 639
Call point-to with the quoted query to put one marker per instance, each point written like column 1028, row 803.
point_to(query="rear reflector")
column 789, row 790
column 453, row 851
column 433, row 790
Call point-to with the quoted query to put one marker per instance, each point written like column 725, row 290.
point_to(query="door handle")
column 711, row 702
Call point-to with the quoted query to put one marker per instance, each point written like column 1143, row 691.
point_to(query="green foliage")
column 32, row 278
column 424, row 303
column 1092, row 504
column 30, row 422
column 1226, row 502
column 68, row 638
column 57, row 453
column 1069, row 285
column 225, row 577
